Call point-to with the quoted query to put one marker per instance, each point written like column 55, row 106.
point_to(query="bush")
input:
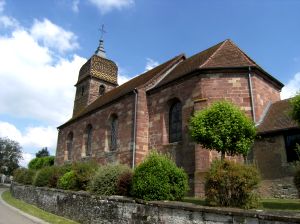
column 38, row 163
column 158, row 178
column 84, row 171
column 47, row 177
column 68, row 181
column 232, row 184
column 105, row 181
column 24, row 176
column 297, row 180
column 124, row 183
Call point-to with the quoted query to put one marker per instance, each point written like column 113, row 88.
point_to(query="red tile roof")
column 222, row 55
column 278, row 118
column 126, row 87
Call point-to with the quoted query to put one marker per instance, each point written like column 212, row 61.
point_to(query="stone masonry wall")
column 85, row 208
column 268, row 153
column 264, row 92
column 101, row 123
column 195, row 93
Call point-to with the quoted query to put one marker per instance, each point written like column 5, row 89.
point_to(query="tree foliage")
column 223, row 127
column 40, row 162
column 10, row 154
column 296, row 107
column 42, row 153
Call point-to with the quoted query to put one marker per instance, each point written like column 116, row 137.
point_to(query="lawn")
column 35, row 211
column 266, row 204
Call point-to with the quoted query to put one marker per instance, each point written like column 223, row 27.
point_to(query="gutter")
column 135, row 91
column 251, row 96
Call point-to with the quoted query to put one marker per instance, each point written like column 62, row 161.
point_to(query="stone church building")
column 113, row 123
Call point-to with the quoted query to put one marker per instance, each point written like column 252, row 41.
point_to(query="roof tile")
column 278, row 118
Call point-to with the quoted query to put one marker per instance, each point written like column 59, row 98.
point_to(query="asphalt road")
column 9, row 215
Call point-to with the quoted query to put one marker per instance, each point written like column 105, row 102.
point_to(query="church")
column 114, row 123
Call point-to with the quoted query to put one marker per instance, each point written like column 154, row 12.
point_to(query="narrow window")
column 89, row 133
column 70, row 145
column 175, row 123
column 114, row 132
column 290, row 145
column 101, row 90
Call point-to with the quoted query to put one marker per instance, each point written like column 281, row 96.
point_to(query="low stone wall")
column 279, row 188
column 86, row 208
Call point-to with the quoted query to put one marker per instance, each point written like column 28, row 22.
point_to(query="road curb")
column 32, row 218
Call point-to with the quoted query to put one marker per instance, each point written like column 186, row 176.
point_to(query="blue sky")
column 44, row 43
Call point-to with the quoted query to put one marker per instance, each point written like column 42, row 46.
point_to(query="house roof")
column 222, row 55
column 278, row 118
column 126, row 88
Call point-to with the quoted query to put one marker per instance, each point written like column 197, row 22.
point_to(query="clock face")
column 101, row 90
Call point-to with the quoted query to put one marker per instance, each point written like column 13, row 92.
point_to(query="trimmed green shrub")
column 106, row 179
column 158, row 178
column 38, row 163
column 47, row 177
column 29, row 177
column 232, row 184
column 297, row 180
column 84, row 171
column 124, row 183
column 68, row 181
column 19, row 175
column 24, row 176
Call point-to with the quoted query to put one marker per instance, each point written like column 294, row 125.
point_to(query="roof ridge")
column 214, row 53
column 250, row 60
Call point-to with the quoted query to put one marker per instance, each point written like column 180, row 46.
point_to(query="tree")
column 42, row 153
column 295, row 101
column 223, row 127
column 10, row 154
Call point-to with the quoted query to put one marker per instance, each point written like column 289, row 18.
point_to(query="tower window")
column 101, row 90
column 175, row 122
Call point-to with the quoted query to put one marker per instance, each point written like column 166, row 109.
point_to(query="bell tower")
column 96, row 77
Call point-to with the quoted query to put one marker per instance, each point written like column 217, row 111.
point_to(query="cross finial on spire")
column 100, row 50
column 102, row 32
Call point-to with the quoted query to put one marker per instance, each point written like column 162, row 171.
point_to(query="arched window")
column 175, row 122
column 70, row 145
column 101, row 90
column 88, row 145
column 114, row 133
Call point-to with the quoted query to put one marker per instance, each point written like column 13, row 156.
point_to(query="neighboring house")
column 123, row 123
column 274, row 150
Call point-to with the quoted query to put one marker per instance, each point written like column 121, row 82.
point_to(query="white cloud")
column 8, row 22
column 31, row 85
column 2, row 4
column 53, row 36
column 33, row 138
column 150, row 64
column 292, row 87
column 75, row 5
column 107, row 5
column 26, row 157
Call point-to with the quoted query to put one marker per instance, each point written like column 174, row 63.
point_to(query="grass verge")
column 266, row 204
column 34, row 211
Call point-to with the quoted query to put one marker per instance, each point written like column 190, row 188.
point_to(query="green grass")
column 35, row 211
column 266, row 204
column 281, row 204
